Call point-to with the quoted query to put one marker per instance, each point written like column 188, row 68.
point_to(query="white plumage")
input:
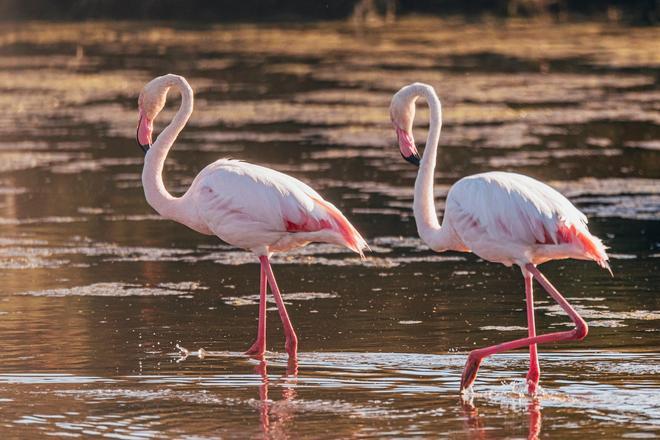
column 251, row 207
column 514, row 219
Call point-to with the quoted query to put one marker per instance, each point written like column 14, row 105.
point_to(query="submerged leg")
column 259, row 347
column 534, row 372
column 578, row 333
column 289, row 333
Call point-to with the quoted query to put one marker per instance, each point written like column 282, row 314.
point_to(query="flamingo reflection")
column 474, row 423
column 280, row 413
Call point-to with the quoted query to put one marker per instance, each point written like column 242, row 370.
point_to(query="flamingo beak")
column 144, row 130
column 407, row 146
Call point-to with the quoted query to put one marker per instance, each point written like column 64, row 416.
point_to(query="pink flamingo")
column 501, row 217
column 245, row 205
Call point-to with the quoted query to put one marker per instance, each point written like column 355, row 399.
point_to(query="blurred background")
column 637, row 11
column 96, row 290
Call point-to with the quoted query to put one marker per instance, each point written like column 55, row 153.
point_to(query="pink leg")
column 290, row 334
column 534, row 371
column 259, row 347
column 578, row 333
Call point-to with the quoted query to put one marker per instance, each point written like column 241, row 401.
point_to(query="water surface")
column 97, row 290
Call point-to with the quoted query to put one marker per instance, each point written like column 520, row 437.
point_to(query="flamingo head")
column 402, row 114
column 150, row 103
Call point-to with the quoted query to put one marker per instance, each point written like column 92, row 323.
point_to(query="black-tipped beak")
column 144, row 148
column 407, row 146
column 413, row 159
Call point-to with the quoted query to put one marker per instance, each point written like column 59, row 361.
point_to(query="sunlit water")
column 97, row 291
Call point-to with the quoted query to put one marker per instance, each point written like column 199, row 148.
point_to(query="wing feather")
column 520, row 209
column 252, row 206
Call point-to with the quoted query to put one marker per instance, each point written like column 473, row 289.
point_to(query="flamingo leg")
column 259, row 347
column 534, row 371
column 578, row 333
column 289, row 333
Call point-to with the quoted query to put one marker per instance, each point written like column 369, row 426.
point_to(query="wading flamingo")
column 501, row 217
column 246, row 205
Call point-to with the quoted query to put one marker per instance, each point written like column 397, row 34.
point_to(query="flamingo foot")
column 470, row 371
column 532, row 387
column 256, row 350
column 291, row 345
column 533, row 381
column 292, row 367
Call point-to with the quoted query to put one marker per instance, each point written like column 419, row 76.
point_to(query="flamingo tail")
column 352, row 238
column 593, row 247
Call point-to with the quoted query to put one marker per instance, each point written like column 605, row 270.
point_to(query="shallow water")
column 97, row 291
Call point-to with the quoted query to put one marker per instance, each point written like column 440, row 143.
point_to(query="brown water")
column 97, row 291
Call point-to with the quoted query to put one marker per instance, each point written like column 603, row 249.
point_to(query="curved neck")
column 426, row 216
column 152, row 173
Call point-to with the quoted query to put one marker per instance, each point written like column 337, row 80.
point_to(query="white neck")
column 426, row 216
column 152, row 174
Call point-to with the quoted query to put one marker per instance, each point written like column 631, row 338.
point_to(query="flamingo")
column 502, row 217
column 245, row 205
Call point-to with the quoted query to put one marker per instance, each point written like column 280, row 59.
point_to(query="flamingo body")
column 511, row 219
column 254, row 207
